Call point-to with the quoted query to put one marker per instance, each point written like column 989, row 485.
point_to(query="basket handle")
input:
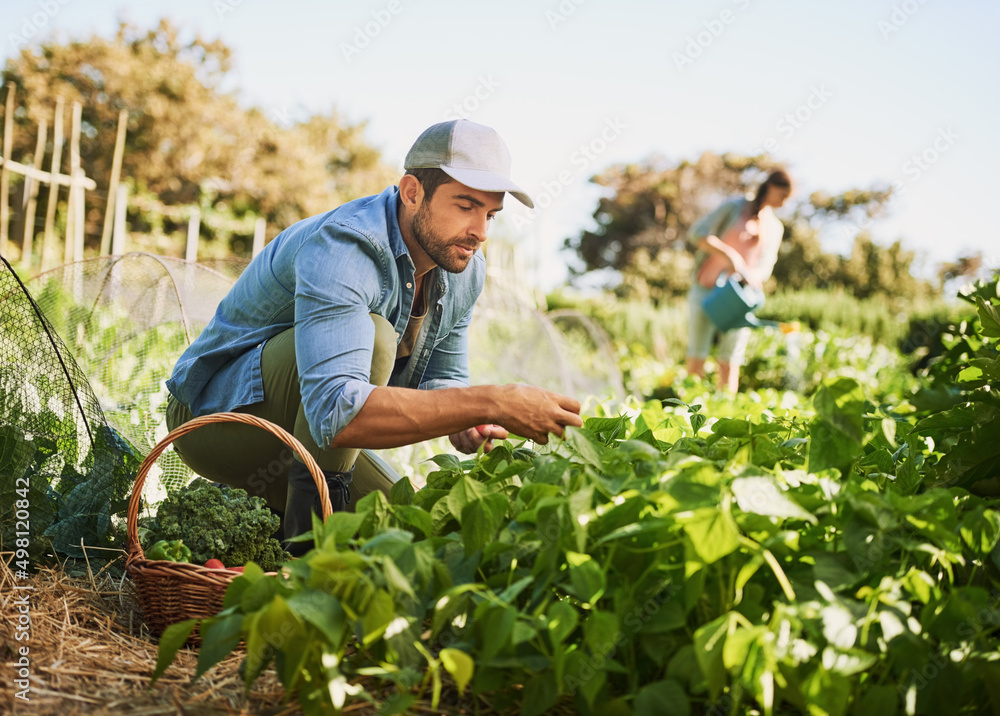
column 140, row 478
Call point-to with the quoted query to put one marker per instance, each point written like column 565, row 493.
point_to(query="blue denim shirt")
column 324, row 275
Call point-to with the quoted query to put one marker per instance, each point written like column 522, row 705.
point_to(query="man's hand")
column 534, row 413
column 468, row 441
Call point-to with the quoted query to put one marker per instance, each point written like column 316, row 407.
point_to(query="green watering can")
column 731, row 305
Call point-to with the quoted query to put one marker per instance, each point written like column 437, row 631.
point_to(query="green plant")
column 782, row 560
column 960, row 407
column 221, row 522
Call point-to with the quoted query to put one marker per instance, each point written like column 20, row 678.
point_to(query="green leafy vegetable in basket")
column 221, row 522
column 173, row 550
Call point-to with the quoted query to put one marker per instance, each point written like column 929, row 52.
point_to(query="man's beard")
column 438, row 248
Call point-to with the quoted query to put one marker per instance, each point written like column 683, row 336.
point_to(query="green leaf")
column 415, row 518
column 878, row 701
column 970, row 374
column 989, row 317
column 889, row 430
column 540, row 694
column 731, row 428
column 341, row 527
column 447, row 462
column 460, row 665
column 762, row 496
column 496, row 625
column 511, row 592
column 219, row 637
column 278, row 623
column 836, row 435
column 585, row 445
column 259, row 652
column 481, row 521
column 713, row 533
column 402, row 492
column 601, row 632
column 257, row 595
column 980, row 529
column 323, row 611
column 172, row 639
column 465, row 492
column 662, row 697
column 827, row 693
column 562, row 620
column 709, row 643
column 377, row 615
column 586, row 577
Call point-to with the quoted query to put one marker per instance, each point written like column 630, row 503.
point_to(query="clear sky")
column 847, row 93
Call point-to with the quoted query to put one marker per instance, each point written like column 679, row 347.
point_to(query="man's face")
column 453, row 224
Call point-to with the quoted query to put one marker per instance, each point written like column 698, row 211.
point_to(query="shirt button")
column 409, row 285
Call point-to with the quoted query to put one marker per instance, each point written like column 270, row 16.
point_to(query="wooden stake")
column 27, row 244
column 73, row 204
column 258, row 235
column 121, row 209
column 8, row 147
column 194, row 221
column 50, row 208
column 116, row 170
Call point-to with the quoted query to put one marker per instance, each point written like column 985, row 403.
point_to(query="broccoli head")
column 221, row 522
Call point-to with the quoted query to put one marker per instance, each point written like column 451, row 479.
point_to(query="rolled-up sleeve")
column 338, row 284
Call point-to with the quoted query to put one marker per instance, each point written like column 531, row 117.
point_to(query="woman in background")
column 742, row 237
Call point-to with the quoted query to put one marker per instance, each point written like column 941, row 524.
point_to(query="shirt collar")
column 396, row 243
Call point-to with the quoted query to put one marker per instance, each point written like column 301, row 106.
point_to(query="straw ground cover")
column 90, row 653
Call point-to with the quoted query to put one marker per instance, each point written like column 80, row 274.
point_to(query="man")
column 349, row 330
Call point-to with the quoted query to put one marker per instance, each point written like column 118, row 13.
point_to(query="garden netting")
column 65, row 473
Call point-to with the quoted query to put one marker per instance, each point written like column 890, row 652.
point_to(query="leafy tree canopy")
column 188, row 138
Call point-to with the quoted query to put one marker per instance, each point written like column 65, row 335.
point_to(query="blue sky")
column 848, row 94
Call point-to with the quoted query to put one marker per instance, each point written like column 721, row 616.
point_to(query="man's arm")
column 392, row 417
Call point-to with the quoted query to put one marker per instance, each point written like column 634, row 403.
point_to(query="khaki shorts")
column 254, row 460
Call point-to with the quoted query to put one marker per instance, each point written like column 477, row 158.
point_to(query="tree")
column 187, row 137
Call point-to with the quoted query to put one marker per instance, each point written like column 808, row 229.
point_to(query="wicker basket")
column 168, row 591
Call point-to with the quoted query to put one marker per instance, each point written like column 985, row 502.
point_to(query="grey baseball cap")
column 470, row 153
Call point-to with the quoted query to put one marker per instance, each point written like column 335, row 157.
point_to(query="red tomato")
column 214, row 564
